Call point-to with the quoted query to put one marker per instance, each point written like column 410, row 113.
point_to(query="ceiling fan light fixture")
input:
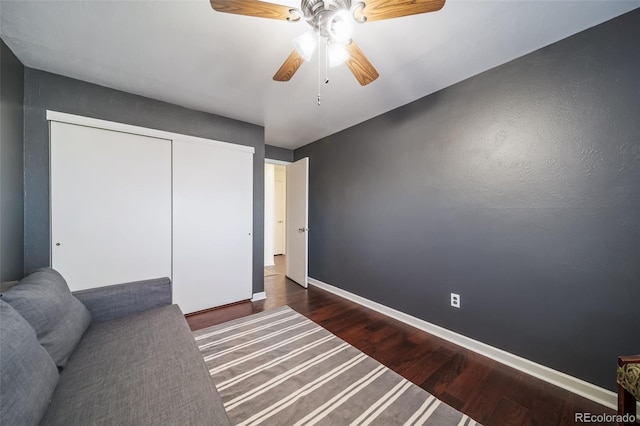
column 340, row 26
column 306, row 44
column 333, row 20
column 337, row 54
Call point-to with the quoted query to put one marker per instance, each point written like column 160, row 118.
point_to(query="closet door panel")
column 212, row 225
column 110, row 206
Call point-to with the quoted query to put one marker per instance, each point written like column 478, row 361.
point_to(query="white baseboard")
column 572, row 384
column 259, row 296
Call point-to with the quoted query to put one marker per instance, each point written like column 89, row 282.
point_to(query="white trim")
column 572, row 384
column 128, row 128
column 259, row 296
column 277, row 162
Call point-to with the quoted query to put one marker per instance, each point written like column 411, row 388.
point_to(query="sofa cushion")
column 59, row 319
column 143, row 369
column 28, row 375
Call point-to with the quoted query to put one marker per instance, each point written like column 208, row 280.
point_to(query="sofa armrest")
column 628, row 378
column 120, row 300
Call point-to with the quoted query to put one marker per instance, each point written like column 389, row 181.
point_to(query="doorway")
column 275, row 214
column 286, row 217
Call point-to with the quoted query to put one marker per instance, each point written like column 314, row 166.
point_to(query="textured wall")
column 11, row 162
column 49, row 91
column 518, row 188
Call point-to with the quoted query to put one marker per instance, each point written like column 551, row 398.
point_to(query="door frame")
column 275, row 163
column 286, row 163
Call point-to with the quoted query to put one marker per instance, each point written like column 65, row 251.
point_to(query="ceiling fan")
column 332, row 20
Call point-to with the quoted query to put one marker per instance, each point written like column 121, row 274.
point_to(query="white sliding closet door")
column 110, row 206
column 212, row 224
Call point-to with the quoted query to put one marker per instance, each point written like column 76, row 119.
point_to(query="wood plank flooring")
column 491, row 393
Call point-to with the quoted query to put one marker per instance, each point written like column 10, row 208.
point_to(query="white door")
column 297, row 221
column 280, row 210
column 212, row 224
column 110, row 206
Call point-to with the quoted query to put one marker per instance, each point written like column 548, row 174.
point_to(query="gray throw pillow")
column 58, row 318
column 28, row 375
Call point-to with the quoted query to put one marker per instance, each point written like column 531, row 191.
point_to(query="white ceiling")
column 185, row 53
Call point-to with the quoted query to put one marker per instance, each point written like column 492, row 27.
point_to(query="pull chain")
column 326, row 61
column 319, row 70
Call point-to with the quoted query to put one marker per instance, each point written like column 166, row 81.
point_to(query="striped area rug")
column 280, row 368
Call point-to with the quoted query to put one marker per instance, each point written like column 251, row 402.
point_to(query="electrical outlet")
column 455, row 300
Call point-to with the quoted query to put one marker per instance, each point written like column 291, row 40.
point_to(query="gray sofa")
column 116, row 355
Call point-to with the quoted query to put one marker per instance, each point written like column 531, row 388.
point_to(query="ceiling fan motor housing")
column 320, row 14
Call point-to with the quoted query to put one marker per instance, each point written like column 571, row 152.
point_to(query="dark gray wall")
column 518, row 188
column 277, row 153
column 50, row 91
column 11, row 162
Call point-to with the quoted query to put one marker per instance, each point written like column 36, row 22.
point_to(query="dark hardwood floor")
column 491, row 393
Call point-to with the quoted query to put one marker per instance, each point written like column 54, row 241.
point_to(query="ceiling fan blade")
column 289, row 67
column 377, row 10
column 255, row 8
column 359, row 65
